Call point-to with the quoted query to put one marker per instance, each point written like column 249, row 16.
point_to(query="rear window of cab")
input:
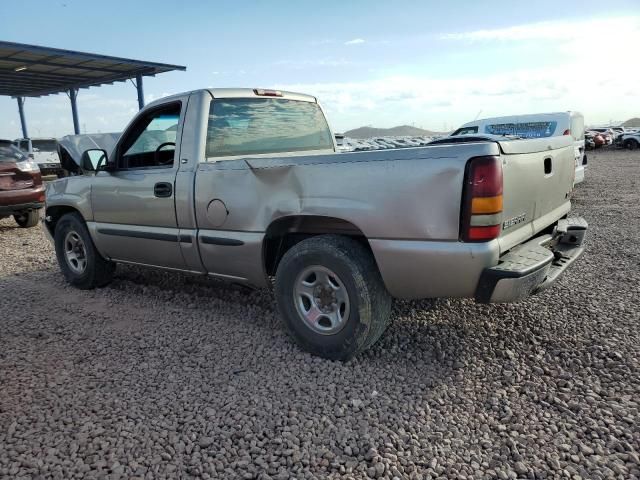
column 253, row 126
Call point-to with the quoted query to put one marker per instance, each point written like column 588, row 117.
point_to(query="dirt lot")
column 163, row 375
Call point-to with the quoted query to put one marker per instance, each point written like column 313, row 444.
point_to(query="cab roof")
column 238, row 93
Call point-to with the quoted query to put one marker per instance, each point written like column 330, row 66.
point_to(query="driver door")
column 134, row 206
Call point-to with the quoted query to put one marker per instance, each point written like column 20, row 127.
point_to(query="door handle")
column 162, row 189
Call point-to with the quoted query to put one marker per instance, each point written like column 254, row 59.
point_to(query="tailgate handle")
column 162, row 189
column 548, row 166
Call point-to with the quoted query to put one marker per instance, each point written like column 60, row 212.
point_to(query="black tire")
column 27, row 219
column 631, row 144
column 98, row 271
column 370, row 303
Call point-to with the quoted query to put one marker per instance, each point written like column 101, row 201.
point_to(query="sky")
column 432, row 64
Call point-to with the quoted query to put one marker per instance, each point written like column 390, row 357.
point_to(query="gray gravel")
column 167, row 376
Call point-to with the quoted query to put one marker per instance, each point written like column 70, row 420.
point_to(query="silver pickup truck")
column 245, row 185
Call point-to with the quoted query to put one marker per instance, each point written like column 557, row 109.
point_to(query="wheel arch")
column 285, row 232
column 632, row 143
column 54, row 213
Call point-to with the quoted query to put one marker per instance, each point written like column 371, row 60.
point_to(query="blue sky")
column 381, row 63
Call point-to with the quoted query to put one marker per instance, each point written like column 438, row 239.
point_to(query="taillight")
column 567, row 132
column 481, row 200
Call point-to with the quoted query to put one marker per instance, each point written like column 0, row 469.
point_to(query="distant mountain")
column 401, row 131
column 632, row 122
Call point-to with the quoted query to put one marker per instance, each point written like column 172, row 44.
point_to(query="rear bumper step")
column 533, row 266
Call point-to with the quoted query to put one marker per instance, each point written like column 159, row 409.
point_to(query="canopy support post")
column 73, row 95
column 23, row 120
column 140, row 91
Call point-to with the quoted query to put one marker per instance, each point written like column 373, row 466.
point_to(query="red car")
column 598, row 138
column 21, row 187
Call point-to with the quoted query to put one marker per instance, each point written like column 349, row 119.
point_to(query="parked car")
column 617, row 131
column 21, row 189
column 607, row 134
column 383, row 143
column 537, row 125
column 629, row 140
column 45, row 153
column 589, row 142
column 205, row 182
column 341, row 145
column 597, row 138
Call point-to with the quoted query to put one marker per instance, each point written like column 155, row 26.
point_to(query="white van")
column 537, row 125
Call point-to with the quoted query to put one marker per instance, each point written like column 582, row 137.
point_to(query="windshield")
column 10, row 153
column 45, row 145
column 523, row 129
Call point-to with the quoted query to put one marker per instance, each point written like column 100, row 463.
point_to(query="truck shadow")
column 8, row 228
column 426, row 342
column 420, row 331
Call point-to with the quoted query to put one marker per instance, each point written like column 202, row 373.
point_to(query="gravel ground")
column 166, row 376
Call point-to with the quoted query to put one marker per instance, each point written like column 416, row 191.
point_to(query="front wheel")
column 331, row 296
column 80, row 262
column 631, row 144
column 27, row 219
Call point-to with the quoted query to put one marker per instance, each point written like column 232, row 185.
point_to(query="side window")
column 151, row 141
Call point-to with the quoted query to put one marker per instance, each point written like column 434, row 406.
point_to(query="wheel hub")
column 75, row 253
column 325, row 299
column 322, row 300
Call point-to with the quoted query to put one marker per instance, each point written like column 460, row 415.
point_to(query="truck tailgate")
column 538, row 178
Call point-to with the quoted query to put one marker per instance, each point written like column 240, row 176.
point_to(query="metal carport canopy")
column 34, row 71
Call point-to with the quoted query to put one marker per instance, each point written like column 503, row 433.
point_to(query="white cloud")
column 435, row 102
column 570, row 76
column 355, row 41
column 593, row 30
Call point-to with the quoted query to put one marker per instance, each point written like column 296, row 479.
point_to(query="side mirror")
column 93, row 159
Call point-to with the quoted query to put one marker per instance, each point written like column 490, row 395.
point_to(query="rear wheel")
column 80, row 262
column 331, row 296
column 27, row 219
column 631, row 144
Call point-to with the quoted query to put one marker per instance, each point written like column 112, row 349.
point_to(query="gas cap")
column 217, row 212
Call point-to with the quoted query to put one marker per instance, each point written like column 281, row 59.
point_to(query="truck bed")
column 362, row 187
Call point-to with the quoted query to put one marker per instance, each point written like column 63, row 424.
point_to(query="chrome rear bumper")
column 533, row 266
